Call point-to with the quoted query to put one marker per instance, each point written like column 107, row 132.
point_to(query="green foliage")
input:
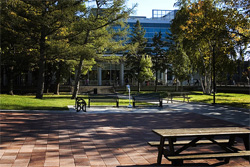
column 91, row 34
column 198, row 33
column 146, row 73
column 136, row 49
column 158, row 54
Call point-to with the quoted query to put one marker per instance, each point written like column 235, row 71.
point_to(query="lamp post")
column 214, row 85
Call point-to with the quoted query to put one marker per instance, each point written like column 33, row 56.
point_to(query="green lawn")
column 49, row 102
column 60, row 102
column 22, row 102
column 231, row 99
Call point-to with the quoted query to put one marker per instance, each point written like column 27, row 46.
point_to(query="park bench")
column 198, row 135
column 183, row 95
column 103, row 98
column 148, row 97
column 80, row 104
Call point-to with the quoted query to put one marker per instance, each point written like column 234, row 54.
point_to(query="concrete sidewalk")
column 231, row 114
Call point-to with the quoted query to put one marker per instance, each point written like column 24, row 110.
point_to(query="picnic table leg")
column 172, row 152
column 230, row 143
column 246, row 139
column 160, row 150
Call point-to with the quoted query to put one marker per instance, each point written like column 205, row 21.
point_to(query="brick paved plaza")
column 112, row 140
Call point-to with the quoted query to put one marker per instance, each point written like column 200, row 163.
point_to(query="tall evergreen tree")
column 159, row 56
column 18, row 47
column 41, row 19
column 137, row 48
column 91, row 36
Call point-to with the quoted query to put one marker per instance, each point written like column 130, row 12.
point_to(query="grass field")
column 231, row 99
column 60, row 102
column 49, row 102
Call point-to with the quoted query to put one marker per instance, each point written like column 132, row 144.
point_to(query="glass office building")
column 115, row 74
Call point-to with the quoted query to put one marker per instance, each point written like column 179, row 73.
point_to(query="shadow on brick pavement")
column 71, row 139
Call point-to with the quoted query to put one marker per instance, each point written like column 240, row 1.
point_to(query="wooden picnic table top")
column 189, row 132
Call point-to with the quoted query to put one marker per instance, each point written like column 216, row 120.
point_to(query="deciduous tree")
column 146, row 73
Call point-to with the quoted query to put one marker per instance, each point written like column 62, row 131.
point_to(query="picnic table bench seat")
column 148, row 97
column 177, row 160
column 103, row 98
column 208, row 155
column 183, row 142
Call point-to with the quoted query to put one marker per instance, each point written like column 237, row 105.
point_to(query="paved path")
column 231, row 114
column 116, row 138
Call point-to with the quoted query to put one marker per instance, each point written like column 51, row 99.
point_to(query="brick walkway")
column 112, row 140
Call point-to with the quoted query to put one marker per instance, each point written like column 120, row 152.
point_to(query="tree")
column 181, row 66
column 159, row 57
column 146, row 73
column 41, row 19
column 136, row 51
column 202, row 36
column 90, row 35
column 18, row 50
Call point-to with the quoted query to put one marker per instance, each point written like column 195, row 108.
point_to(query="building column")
column 165, row 77
column 122, row 74
column 99, row 76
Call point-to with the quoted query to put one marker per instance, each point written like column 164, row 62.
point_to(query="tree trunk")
column 11, row 81
column 58, row 79
column 156, row 81
column 207, row 85
column 77, row 80
column 40, row 84
column 139, row 87
column 202, row 85
column 57, row 88
column 176, row 85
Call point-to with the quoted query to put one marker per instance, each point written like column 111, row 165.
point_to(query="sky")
column 144, row 7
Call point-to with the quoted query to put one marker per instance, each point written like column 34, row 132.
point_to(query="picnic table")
column 183, row 95
column 195, row 136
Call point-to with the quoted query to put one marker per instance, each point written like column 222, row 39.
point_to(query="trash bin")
column 95, row 90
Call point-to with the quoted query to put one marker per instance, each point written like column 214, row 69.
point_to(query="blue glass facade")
column 116, row 74
column 151, row 29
